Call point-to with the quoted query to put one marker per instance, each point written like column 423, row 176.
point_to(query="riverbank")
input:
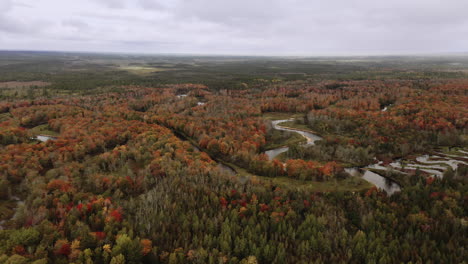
column 394, row 176
column 300, row 127
column 293, row 139
column 339, row 185
column 44, row 130
column 351, row 184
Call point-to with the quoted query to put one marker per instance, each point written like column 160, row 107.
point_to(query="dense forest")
column 119, row 159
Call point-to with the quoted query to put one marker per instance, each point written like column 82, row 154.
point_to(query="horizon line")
column 175, row 54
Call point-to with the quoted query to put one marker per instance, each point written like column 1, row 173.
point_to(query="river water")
column 44, row 138
column 379, row 181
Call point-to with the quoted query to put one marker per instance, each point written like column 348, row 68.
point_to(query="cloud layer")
column 251, row 27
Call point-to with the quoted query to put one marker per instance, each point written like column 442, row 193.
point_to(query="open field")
column 352, row 184
column 293, row 139
column 280, row 116
column 14, row 84
column 297, row 125
column 143, row 69
column 43, row 130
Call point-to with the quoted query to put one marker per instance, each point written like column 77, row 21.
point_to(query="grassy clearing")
column 43, row 130
column 142, row 70
column 277, row 142
column 351, row 184
column 279, row 116
column 298, row 126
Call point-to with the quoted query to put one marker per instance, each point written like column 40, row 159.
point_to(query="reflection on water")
column 44, row 138
column 380, row 182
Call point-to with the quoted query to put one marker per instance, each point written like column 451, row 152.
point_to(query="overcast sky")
column 238, row 27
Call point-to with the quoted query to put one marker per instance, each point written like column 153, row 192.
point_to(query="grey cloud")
column 12, row 25
column 112, row 3
column 5, row 6
column 123, row 19
column 148, row 43
column 240, row 27
column 18, row 3
column 151, row 4
column 75, row 23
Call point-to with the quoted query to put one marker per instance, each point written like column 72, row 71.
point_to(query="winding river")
column 311, row 138
column 379, row 181
column 386, row 184
column 44, row 138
